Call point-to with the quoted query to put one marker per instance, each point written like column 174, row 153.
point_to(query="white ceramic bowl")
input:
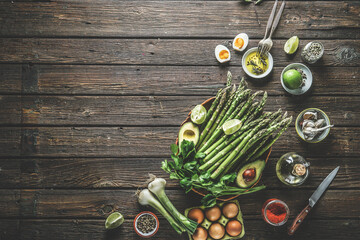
column 243, row 63
column 308, row 81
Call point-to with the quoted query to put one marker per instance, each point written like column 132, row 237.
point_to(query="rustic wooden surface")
column 92, row 93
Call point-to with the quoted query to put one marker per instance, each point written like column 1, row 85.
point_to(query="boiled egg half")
column 240, row 42
column 222, row 53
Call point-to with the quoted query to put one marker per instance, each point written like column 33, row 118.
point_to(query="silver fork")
column 268, row 26
column 268, row 43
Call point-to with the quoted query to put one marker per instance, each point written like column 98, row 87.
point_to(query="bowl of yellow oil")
column 257, row 66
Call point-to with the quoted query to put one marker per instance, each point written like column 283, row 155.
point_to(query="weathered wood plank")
column 59, row 229
column 133, row 172
column 147, row 142
column 99, row 203
column 157, row 80
column 148, row 110
column 320, row 19
column 155, row 51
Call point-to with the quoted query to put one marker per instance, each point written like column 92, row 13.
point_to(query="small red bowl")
column 150, row 234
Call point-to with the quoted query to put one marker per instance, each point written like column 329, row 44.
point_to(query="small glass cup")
column 267, row 204
column 309, row 57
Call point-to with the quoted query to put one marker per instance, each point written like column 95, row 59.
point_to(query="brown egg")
column 197, row 215
column 216, row 231
column 234, row 228
column 213, row 213
column 200, row 234
column 230, row 210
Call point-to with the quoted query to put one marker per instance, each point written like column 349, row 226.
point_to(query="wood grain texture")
column 155, row 51
column 59, row 229
column 118, row 173
column 149, row 110
column 93, row 229
column 45, row 203
column 111, row 18
column 158, row 80
column 148, row 142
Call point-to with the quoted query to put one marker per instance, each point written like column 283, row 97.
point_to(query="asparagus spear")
column 247, row 105
column 217, row 154
column 238, row 143
column 211, row 110
column 267, row 146
column 258, row 109
column 218, row 119
column 216, row 134
column 229, row 79
column 241, row 147
column 243, row 100
column 214, row 166
column 225, row 140
column 252, row 109
column 214, row 115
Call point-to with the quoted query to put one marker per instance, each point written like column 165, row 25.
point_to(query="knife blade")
column 312, row 200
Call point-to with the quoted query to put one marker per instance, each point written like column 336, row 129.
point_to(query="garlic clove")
column 319, row 123
column 310, row 115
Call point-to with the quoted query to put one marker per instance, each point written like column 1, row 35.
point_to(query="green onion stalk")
column 157, row 187
column 145, row 197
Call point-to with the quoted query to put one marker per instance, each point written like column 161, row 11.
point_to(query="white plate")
column 308, row 81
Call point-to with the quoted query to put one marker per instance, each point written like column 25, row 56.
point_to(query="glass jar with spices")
column 312, row 52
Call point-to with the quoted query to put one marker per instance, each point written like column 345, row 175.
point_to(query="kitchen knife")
column 312, row 200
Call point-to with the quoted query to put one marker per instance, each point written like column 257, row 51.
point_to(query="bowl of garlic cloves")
column 313, row 125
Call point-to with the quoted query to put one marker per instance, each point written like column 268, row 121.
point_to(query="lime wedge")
column 198, row 114
column 114, row 220
column 231, row 126
column 291, row 45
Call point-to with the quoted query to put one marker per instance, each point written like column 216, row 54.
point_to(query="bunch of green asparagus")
column 225, row 153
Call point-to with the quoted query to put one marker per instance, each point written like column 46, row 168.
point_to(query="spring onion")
column 157, row 187
column 145, row 197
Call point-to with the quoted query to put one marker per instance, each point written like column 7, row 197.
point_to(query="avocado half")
column 189, row 132
column 257, row 166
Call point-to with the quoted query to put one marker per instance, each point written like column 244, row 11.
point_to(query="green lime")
column 292, row 79
column 231, row 126
column 198, row 114
column 291, row 45
column 114, row 220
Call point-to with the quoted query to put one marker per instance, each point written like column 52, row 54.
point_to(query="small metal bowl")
column 308, row 81
column 320, row 136
column 268, row 70
column 149, row 234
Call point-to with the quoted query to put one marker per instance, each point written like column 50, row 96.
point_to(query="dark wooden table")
column 93, row 92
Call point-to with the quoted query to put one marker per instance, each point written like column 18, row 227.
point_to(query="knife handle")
column 299, row 219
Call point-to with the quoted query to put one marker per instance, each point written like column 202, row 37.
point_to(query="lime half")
column 291, row 45
column 114, row 220
column 231, row 126
column 198, row 114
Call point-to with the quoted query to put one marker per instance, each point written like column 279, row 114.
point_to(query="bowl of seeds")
column 296, row 78
column 146, row 224
column 313, row 125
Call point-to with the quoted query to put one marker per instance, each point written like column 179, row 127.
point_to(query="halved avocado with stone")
column 250, row 173
column 190, row 132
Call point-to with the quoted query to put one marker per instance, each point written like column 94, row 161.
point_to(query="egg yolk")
column 239, row 43
column 224, row 54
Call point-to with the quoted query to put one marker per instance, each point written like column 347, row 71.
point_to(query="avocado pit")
column 249, row 174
